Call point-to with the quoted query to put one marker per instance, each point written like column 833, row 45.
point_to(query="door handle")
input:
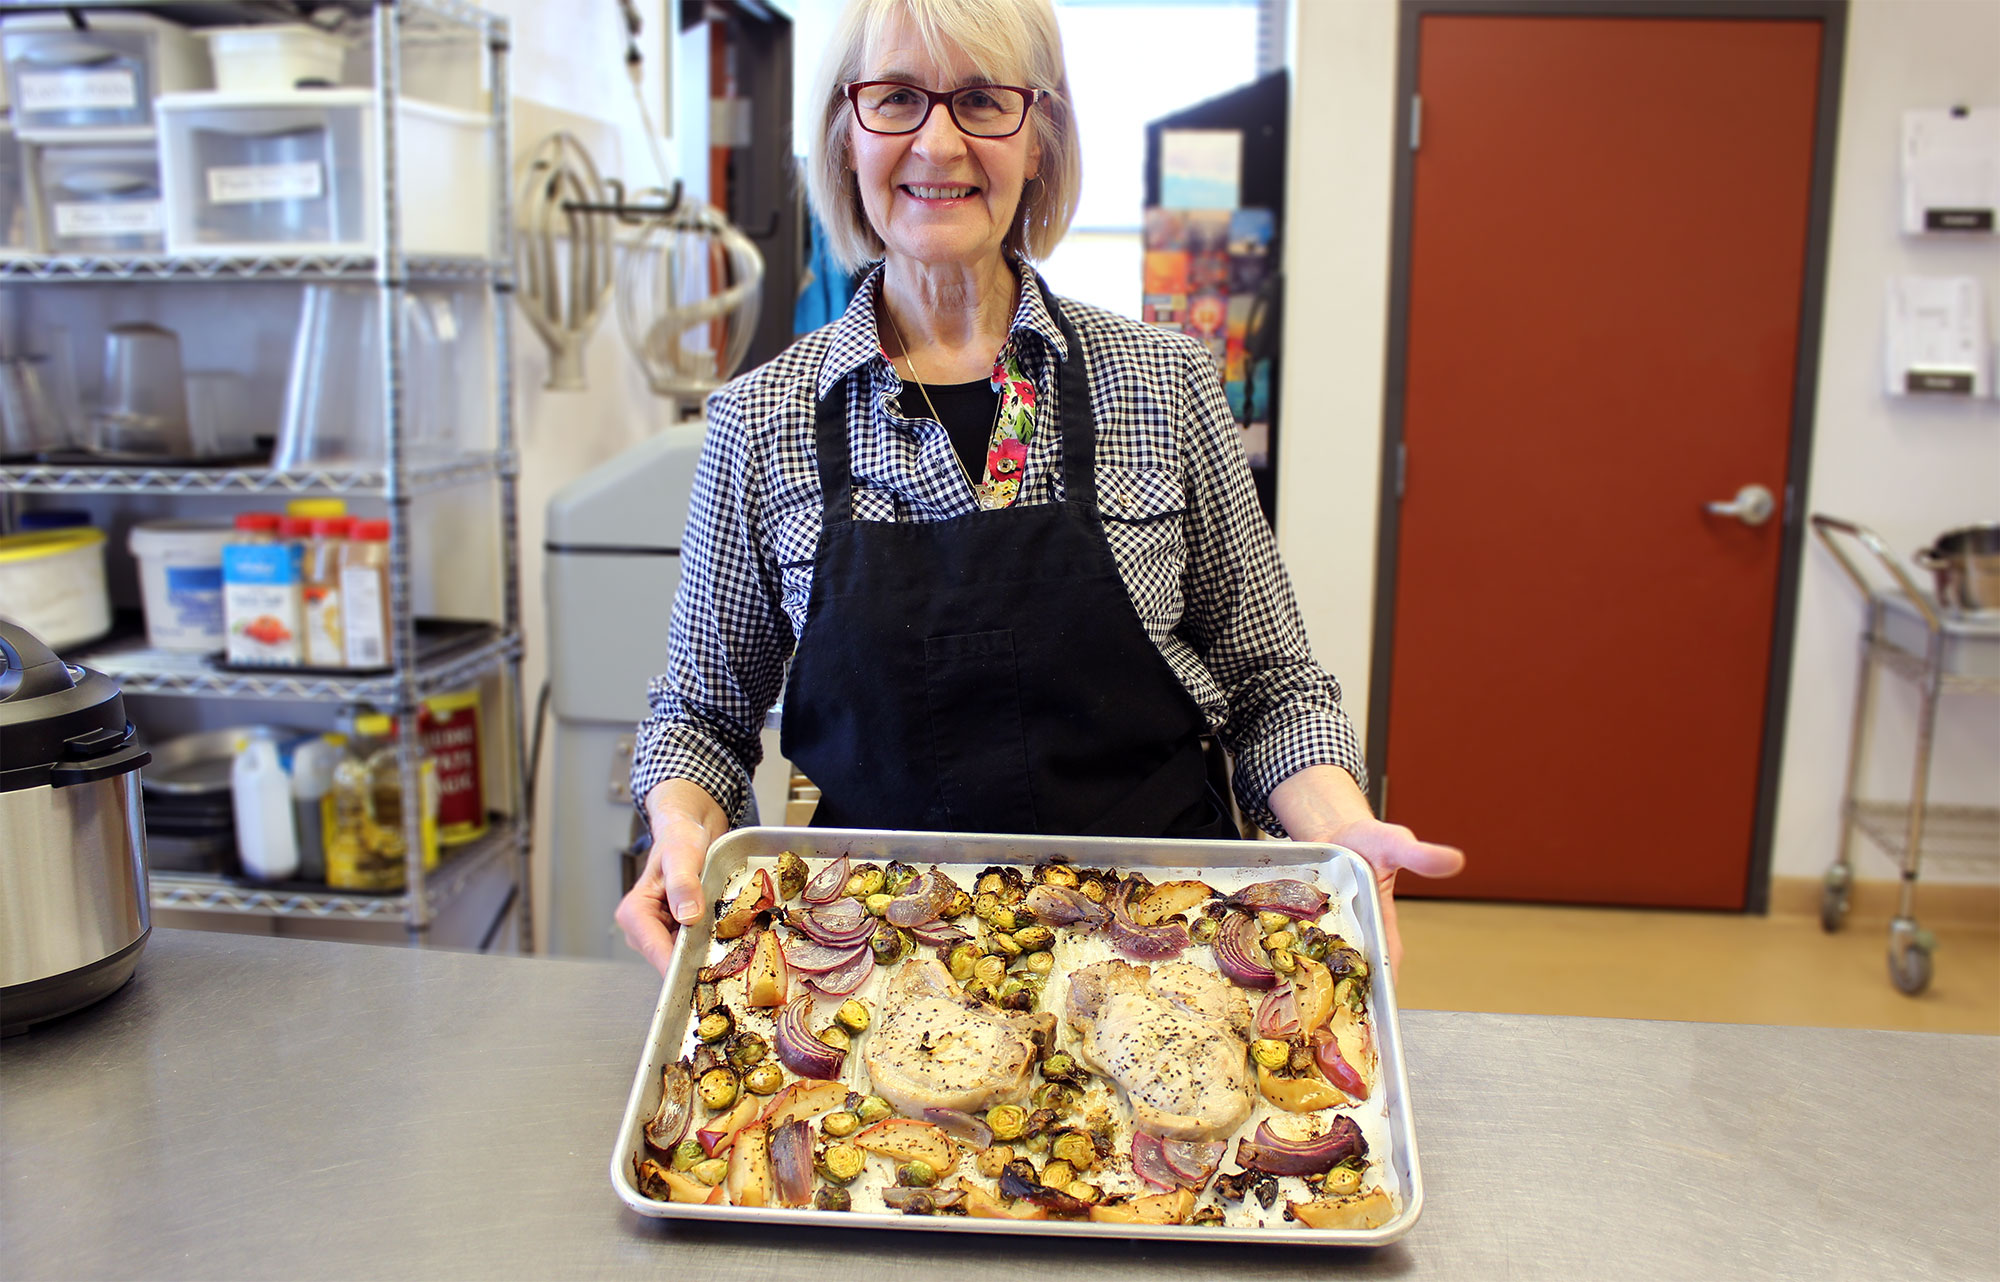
column 1753, row 505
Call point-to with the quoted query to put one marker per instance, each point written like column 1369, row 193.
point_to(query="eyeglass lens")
column 985, row 111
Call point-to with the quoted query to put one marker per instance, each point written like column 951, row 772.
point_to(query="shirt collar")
column 855, row 341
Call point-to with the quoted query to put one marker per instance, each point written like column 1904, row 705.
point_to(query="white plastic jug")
column 262, row 800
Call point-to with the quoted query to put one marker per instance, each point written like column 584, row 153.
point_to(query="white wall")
column 1909, row 470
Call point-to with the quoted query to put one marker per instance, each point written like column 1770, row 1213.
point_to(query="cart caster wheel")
column 1910, row 970
column 1833, row 901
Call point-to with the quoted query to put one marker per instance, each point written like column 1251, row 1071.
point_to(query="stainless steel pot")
column 73, row 910
column 1966, row 562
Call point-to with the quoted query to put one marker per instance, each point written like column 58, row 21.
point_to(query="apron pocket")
column 977, row 742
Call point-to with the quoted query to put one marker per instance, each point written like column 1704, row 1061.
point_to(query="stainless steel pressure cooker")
column 73, row 910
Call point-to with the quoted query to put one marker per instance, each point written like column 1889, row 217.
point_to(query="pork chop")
column 938, row 1048
column 1172, row 1038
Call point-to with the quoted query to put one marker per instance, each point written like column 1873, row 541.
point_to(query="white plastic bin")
column 296, row 174
column 52, row 584
column 180, row 582
column 273, row 57
column 104, row 77
column 101, row 200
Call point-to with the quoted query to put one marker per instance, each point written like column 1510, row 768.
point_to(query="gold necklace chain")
column 939, row 418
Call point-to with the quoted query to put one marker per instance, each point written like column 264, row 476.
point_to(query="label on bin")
column 109, row 218
column 77, row 91
column 246, row 184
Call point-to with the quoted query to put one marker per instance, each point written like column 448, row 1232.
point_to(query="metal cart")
column 1941, row 652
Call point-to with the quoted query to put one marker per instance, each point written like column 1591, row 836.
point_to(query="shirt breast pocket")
column 1144, row 511
column 794, row 544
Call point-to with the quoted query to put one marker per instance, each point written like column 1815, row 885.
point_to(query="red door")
column 1607, row 270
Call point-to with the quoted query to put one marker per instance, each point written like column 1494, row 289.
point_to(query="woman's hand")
column 1324, row 804
column 685, row 820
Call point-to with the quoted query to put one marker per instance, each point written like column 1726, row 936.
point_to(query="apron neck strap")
column 836, row 476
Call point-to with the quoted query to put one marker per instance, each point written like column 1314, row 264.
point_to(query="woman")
column 1009, row 545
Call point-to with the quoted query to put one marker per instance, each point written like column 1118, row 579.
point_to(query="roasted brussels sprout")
column 989, row 970
column 1062, row 1067
column 840, row 1124
column 1075, row 1148
column 1007, row 1121
column 962, row 960
column 872, row 1109
column 992, row 1161
column 1270, row 922
column 1203, row 930
column 1209, row 1215
column 1341, row 1181
column 1056, row 875
column 746, row 1050
column 986, row 903
column 765, row 1079
column 717, row 1088
column 990, row 883
column 1271, row 1053
column 916, row 1175
column 890, row 944
column 833, row 1199
column 878, row 904
column 1058, row 1174
column 897, row 876
column 687, row 1154
column 872, row 879
column 853, row 1015
column 1094, row 889
column 1002, row 945
column 1041, row 964
column 1053, row 1098
column 791, row 875
column 1083, row 1191
column 1020, row 998
column 716, row 1023
column 836, row 1036
column 1034, row 939
column 961, row 904
column 1281, row 941
column 1283, row 962
column 1041, row 1121
column 1004, row 919
column 979, row 990
column 840, row 1163
column 711, row 1171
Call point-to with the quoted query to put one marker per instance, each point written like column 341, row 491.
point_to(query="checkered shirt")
column 1197, row 556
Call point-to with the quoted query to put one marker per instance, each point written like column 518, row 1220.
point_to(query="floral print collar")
column 1013, row 428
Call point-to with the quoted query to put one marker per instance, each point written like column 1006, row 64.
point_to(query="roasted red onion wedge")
column 841, row 924
column 1326, row 1053
column 1192, row 1161
column 826, row 887
column 792, row 1163
column 1295, row 899
column 733, row 962
column 1149, row 1162
column 817, row 959
column 939, row 934
column 961, row 1126
column 669, row 1123
column 799, row 1050
column 845, row 978
column 1062, row 906
column 1278, row 1013
column 1275, row 1156
column 923, row 900
column 1239, row 956
column 1141, row 943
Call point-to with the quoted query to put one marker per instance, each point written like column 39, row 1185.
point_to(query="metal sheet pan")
column 1338, row 871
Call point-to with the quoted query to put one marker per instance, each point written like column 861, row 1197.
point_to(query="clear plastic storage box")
column 105, row 77
column 101, row 200
column 17, row 222
column 296, row 173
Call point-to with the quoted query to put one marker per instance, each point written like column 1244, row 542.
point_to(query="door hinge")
column 1402, row 467
column 1416, row 122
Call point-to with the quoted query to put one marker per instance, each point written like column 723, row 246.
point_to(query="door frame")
column 1832, row 17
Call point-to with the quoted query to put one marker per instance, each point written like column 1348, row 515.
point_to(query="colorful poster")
column 1166, row 271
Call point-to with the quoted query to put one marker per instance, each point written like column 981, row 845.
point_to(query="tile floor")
column 1778, row 969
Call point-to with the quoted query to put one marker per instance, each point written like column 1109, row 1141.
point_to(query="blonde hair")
column 1012, row 41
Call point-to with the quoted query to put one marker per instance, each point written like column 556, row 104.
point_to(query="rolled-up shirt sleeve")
column 1283, row 708
column 729, row 639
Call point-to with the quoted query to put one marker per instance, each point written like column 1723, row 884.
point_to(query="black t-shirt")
column 967, row 411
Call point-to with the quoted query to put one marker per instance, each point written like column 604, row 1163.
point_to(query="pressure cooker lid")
column 58, row 724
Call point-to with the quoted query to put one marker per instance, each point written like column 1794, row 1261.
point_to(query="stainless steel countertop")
column 252, row 1107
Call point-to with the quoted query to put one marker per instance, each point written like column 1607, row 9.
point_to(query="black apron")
column 988, row 672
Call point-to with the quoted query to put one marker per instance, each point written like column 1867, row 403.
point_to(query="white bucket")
column 273, row 58
column 180, row 580
column 52, row 584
